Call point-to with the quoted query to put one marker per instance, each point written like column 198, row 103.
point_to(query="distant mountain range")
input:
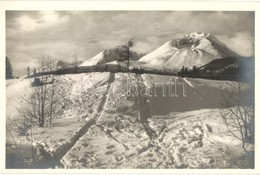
column 198, row 54
column 194, row 49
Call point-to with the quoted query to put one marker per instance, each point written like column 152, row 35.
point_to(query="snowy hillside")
column 100, row 126
column 64, row 65
column 106, row 56
column 193, row 49
column 94, row 60
column 110, row 56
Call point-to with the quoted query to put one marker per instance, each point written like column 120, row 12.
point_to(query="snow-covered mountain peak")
column 193, row 49
column 117, row 53
column 197, row 35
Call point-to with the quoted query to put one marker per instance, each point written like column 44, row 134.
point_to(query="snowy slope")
column 100, row 126
column 193, row 49
column 111, row 56
column 94, row 60
column 14, row 89
column 106, row 56
column 124, row 138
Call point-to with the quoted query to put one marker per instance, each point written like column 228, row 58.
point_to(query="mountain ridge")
column 194, row 49
column 118, row 53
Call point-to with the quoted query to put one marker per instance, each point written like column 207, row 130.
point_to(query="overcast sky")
column 62, row 34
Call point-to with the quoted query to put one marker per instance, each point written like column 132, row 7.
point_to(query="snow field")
column 99, row 126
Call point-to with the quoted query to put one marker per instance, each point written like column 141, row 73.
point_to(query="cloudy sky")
column 62, row 34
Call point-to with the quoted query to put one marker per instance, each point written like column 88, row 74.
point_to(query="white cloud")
column 27, row 24
column 241, row 43
column 48, row 18
column 31, row 34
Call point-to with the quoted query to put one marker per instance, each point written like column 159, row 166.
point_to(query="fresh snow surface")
column 14, row 89
column 100, row 126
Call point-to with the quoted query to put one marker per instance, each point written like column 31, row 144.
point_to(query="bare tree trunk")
column 128, row 61
column 51, row 104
